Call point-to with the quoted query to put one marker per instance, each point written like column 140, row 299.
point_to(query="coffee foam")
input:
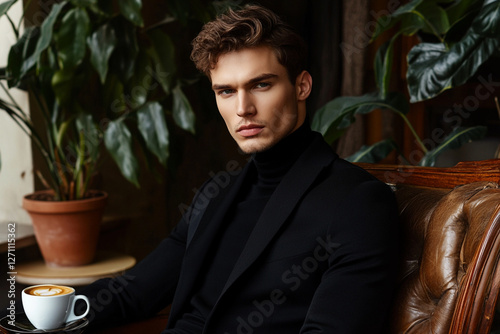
column 49, row 290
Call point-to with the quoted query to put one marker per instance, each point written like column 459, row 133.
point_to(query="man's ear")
column 303, row 85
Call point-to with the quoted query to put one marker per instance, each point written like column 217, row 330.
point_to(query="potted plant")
column 101, row 80
column 456, row 38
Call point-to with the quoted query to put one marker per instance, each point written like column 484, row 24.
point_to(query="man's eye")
column 225, row 92
column 262, row 85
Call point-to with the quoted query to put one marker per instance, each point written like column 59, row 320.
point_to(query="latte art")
column 49, row 290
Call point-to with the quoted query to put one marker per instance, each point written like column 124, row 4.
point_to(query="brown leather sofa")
column 450, row 222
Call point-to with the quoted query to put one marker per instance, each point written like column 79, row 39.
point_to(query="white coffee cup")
column 49, row 306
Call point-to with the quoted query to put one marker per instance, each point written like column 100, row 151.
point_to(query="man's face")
column 256, row 98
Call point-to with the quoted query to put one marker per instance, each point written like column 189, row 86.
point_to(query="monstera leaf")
column 334, row 118
column 433, row 67
column 373, row 153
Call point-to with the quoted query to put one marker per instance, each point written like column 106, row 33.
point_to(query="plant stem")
column 412, row 129
column 408, row 123
column 49, row 153
column 16, row 31
column 25, row 125
column 13, row 101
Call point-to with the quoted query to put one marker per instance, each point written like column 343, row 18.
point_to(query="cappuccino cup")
column 50, row 306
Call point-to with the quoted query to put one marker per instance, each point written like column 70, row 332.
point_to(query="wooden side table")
column 106, row 264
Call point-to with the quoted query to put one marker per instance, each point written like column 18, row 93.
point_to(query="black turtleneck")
column 267, row 171
column 272, row 164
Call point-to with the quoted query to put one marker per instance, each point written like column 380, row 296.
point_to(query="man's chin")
column 252, row 148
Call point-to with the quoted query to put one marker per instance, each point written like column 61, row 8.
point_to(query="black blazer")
column 321, row 258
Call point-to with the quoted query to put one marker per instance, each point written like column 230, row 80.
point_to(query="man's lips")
column 249, row 130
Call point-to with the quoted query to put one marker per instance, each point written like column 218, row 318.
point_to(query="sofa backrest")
column 450, row 231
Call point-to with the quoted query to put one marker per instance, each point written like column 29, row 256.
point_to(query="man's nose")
column 246, row 106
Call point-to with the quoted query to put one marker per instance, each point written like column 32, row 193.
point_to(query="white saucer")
column 23, row 325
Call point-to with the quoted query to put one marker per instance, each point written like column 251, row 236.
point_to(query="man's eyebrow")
column 262, row 77
column 220, row 87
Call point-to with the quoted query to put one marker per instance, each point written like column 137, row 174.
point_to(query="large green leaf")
column 71, row 37
column 19, row 53
column 458, row 137
column 102, row 44
column 333, row 118
column 163, row 54
column 327, row 119
column 46, row 32
column 182, row 111
column 373, row 153
column 118, row 141
column 153, row 127
column 131, row 10
column 432, row 68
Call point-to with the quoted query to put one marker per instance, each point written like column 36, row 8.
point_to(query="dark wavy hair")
column 251, row 26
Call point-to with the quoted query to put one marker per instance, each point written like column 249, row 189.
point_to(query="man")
column 299, row 241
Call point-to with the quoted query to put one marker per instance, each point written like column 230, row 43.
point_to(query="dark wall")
column 319, row 22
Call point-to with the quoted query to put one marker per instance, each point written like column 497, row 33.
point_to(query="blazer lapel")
column 285, row 198
column 207, row 227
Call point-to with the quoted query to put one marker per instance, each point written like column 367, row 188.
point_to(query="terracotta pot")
column 66, row 231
